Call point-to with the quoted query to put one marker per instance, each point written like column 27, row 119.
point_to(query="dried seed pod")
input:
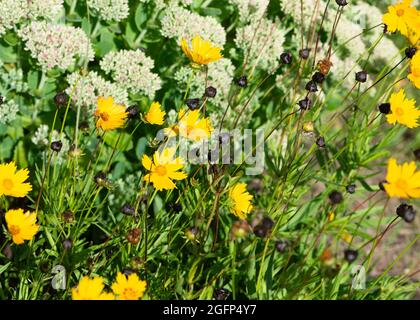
column 325, row 66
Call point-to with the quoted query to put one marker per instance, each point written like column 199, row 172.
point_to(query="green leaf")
column 141, row 147
column 125, row 141
column 11, row 39
column 140, row 17
column 4, row 268
column 106, row 43
column 86, row 25
column 33, row 78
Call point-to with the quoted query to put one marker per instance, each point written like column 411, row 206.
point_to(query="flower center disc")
column 8, row 184
column 104, row 116
column 129, row 293
column 161, row 170
column 399, row 111
column 400, row 12
column 14, row 230
column 401, row 184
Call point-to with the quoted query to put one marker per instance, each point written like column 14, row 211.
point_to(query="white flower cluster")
column 220, row 76
column 110, row 10
column 250, row 9
column 47, row 9
column 86, row 89
column 131, row 69
column 347, row 30
column 307, row 11
column 13, row 12
column 178, row 23
column 266, row 47
column 56, row 45
column 42, row 139
column 8, row 111
column 13, row 80
column 368, row 16
column 160, row 4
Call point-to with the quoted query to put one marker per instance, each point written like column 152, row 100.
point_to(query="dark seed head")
column 281, row 246
column 1, row 100
column 260, row 231
column 410, row 52
column 286, row 58
column 417, row 154
column 318, row 77
column 341, row 3
column 193, row 104
column 84, row 126
column 127, row 209
column 406, row 212
column 67, row 244
column 351, row 188
column 136, row 262
column 221, row 294
column 320, row 142
column 56, row 146
column 381, row 185
column 128, row 271
column 335, row 197
column 361, row 76
column 350, row 255
column 385, row 108
column 132, row 111
column 210, row 92
column 61, row 99
column 100, row 178
column 68, row 216
column 177, row 207
column 305, row 104
column 311, row 86
column 8, row 252
column 267, row 223
column 242, row 82
column 304, row 53
column 133, row 236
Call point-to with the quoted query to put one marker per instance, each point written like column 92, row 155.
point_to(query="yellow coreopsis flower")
column 12, row 182
column 414, row 75
column 402, row 180
column 155, row 115
column 191, row 126
column 91, row 289
column 401, row 17
column 163, row 169
column 201, row 52
column 403, row 110
column 240, row 200
column 22, row 226
column 128, row 288
column 110, row 115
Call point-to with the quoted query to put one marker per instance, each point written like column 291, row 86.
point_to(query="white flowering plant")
column 92, row 94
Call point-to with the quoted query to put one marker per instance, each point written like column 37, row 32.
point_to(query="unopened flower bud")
column 56, row 146
column 304, row 53
column 193, row 104
column 210, row 92
column 286, row 58
column 61, row 99
column 242, row 82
